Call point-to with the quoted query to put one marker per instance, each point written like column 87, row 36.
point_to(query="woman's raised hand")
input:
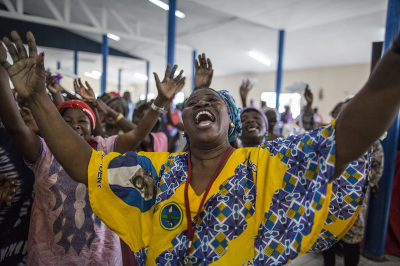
column 308, row 95
column 51, row 83
column 85, row 93
column 27, row 72
column 245, row 88
column 204, row 72
column 170, row 85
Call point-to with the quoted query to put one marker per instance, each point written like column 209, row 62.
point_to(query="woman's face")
column 206, row 118
column 79, row 122
column 117, row 107
column 253, row 126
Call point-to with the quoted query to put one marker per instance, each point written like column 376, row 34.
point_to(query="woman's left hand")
column 85, row 93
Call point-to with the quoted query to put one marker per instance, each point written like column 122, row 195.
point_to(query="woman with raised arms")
column 216, row 204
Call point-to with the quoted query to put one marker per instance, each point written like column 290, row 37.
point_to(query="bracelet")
column 158, row 109
column 119, row 117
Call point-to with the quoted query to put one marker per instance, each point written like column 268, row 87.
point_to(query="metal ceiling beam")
column 20, row 6
column 80, row 27
column 9, row 6
column 89, row 14
column 104, row 17
column 121, row 21
column 53, row 10
column 67, row 11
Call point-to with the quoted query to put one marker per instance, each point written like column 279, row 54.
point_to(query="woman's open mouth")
column 204, row 118
column 252, row 128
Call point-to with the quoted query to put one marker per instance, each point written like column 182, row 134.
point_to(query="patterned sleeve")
column 293, row 193
column 122, row 191
column 348, row 192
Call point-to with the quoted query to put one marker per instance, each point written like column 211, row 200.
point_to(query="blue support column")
column 194, row 67
column 378, row 210
column 76, row 62
column 119, row 80
column 279, row 70
column 104, row 51
column 171, row 33
column 148, row 78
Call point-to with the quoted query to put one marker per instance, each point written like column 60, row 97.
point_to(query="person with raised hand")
column 307, row 113
column 54, row 88
column 52, row 225
column 244, row 89
column 204, row 72
column 216, row 204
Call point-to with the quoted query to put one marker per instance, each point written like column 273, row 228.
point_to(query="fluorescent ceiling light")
column 113, row 36
column 164, row 6
column 140, row 76
column 179, row 14
column 94, row 74
column 260, row 58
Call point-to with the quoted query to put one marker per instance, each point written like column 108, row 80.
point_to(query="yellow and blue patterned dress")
column 268, row 205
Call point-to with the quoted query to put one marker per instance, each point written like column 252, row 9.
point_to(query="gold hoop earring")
column 184, row 134
column 231, row 125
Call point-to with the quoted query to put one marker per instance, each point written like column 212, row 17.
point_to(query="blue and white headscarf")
column 234, row 114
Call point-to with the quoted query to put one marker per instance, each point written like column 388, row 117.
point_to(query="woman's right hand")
column 27, row 72
column 204, row 72
column 85, row 93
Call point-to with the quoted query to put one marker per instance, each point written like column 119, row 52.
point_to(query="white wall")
column 337, row 83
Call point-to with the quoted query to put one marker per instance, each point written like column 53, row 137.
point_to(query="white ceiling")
column 319, row 33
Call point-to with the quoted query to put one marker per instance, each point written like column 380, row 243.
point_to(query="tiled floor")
column 315, row 259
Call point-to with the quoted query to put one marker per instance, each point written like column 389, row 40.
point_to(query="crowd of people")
column 103, row 181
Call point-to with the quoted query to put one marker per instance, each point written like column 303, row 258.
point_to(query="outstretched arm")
column 27, row 73
column 24, row 138
column 166, row 90
column 371, row 111
column 204, row 72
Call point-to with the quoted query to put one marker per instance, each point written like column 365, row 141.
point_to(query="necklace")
column 191, row 226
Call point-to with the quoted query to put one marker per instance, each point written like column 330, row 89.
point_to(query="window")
column 291, row 99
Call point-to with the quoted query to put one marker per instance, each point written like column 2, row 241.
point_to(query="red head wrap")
column 78, row 105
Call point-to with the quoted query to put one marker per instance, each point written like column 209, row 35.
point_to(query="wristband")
column 119, row 117
column 158, row 109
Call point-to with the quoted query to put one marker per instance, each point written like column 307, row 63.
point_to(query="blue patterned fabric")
column 234, row 114
column 267, row 206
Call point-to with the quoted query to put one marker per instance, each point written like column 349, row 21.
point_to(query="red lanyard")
column 191, row 227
